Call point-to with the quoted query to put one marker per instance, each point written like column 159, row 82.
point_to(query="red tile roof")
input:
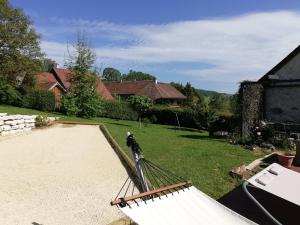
column 148, row 88
column 45, row 80
column 103, row 91
column 63, row 76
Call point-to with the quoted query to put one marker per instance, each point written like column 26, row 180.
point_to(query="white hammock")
column 188, row 206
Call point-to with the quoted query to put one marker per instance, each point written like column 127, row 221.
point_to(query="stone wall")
column 252, row 106
column 15, row 124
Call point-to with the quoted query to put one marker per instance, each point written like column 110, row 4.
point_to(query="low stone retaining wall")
column 15, row 124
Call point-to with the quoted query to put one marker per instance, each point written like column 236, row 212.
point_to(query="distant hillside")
column 211, row 93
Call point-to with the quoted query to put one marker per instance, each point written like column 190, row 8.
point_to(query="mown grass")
column 187, row 152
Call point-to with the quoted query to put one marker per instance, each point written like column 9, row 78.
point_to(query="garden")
column 189, row 153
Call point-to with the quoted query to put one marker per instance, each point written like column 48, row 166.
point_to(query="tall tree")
column 20, row 52
column 82, row 99
column 111, row 74
column 137, row 75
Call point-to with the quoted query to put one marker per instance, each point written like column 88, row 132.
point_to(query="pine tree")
column 82, row 99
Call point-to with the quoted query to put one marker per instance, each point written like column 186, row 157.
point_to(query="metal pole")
column 138, row 158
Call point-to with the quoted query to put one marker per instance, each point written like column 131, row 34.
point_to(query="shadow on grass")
column 239, row 202
column 201, row 137
column 184, row 129
column 119, row 124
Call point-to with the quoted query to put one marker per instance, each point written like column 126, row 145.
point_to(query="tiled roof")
column 63, row 76
column 102, row 91
column 148, row 88
column 45, row 80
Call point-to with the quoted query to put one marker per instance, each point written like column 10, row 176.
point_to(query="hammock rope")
column 150, row 178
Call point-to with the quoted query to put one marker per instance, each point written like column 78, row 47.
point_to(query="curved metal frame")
column 266, row 212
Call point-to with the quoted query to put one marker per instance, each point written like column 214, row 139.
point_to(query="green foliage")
column 210, row 94
column 137, row 75
column 111, row 74
column 69, row 105
column 249, row 104
column 163, row 114
column 20, row 52
column 140, row 103
column 192, row 96
column 8, row 94
column 39, row 99
column 118, row 110
column 41, row 121
column 221, row 105
column 82, row 99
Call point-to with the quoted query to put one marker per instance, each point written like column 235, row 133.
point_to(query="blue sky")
column 212, row 44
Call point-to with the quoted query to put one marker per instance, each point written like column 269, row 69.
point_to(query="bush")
column 118, row 110
column 69, row 106
column 41, row 121
column 84, row 106
column 223, row 123
column 168, row 115
column 39, row 99
column 8, row 94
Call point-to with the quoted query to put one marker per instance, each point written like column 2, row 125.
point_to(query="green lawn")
column 193, row 155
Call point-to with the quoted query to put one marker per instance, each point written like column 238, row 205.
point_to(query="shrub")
column 118, row 110
column 41, row 121
column 8, row 94
column 69, row 106
column 223, row 123
column 171, row 116
column 39, row 99
column 84, row 106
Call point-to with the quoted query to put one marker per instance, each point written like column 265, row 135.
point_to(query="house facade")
column 160, row 93
column 282, row 90
column 274, row 98
column 58, row 81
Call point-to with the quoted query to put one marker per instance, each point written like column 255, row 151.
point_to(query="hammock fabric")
column 187, row 206
column 167, row 199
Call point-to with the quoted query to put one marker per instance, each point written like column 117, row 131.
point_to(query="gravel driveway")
column 63, row 175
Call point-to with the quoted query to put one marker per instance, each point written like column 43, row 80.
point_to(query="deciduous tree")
column 20, row 52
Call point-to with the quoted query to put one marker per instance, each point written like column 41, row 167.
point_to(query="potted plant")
column 297, row 157
column 286, row 158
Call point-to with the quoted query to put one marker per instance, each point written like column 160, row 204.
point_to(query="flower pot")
column 285, row 159
column 297, row 157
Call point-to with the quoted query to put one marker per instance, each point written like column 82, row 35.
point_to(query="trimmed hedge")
column 39, row 99
column 168, row 115
column 118, row 110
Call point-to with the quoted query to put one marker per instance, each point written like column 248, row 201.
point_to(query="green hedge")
column 39, row 99
column 167, row 115
column 8, row 94
column 118, row 110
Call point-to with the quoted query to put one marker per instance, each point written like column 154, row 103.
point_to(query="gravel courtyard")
column 63, row 175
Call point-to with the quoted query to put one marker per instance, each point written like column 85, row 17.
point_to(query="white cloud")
column 238, row 48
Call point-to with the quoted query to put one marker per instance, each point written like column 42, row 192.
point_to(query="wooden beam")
column 141, row 195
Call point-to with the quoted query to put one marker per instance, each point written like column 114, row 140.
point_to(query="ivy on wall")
column 251, row 95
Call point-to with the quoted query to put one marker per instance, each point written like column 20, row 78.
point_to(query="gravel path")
column 64, row 175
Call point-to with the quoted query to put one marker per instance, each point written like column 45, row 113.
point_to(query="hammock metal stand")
column 152, row 180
